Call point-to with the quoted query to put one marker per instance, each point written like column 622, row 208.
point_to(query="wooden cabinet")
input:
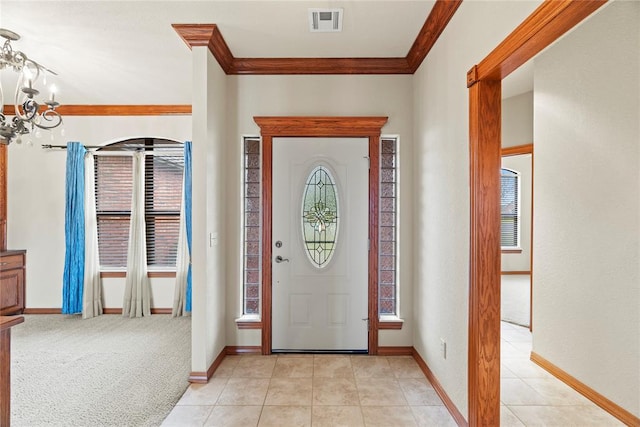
column 12, row 282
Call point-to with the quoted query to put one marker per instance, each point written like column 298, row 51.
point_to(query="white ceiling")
column 126, row 52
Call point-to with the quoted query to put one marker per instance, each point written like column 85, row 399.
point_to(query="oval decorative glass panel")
column 320, row 216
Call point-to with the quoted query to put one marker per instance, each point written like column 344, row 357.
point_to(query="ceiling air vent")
column 325, row 20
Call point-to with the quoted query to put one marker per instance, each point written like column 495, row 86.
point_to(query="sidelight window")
column 387, row 257
column 252, row 230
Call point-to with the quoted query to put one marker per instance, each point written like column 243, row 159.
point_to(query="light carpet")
column 105, row 371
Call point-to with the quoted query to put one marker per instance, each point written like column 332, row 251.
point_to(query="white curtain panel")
column 92, row 293
column 182, row 265
column 137, row 292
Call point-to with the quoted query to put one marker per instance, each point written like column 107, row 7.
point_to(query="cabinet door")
column 11, row 291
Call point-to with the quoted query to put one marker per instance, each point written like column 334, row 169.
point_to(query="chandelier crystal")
column 26, row 116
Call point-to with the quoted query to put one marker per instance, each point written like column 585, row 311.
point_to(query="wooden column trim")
column 543, row 27
column 484, row 287
column 331, row 127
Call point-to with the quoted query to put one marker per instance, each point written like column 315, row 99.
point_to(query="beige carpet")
column 106, row 371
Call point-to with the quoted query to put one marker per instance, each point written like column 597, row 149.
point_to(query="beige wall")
column 517, row 120
column 251, row 96
column 586, row 287
column 209, row 222
column 441, row 164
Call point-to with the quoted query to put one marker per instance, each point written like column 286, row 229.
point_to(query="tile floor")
column 531, row 396
column 323, row 390
column 339, row 390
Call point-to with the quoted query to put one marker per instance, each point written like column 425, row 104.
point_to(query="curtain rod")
column 172, row 151
column 136, row 147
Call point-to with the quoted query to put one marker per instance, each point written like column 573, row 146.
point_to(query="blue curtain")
column 73, row 279
column 187, row 212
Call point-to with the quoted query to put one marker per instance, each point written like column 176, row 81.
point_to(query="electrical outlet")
column 443, row 348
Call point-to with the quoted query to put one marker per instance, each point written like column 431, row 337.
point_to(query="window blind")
column 163, row 194
column 163, row 197
column 508, row 208
column 113, row 187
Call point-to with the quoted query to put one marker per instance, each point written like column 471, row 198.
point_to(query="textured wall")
column 441, row 164
column 587, row 216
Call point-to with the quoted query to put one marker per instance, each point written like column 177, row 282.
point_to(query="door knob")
column 279, row 259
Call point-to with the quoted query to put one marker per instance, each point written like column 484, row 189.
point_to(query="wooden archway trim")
column 543, row 27
column 274, row 127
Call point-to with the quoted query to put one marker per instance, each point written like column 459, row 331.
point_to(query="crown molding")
column 436, row 22
column 209, row 35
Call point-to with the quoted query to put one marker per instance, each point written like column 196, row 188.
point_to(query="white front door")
column 320, row 227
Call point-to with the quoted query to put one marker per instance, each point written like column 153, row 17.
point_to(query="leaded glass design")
column 320, row 216
column 252, row 226
column 387, row 255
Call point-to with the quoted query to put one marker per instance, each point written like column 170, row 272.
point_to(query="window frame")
column 394, row 315
column 517, row 248
column 127, row 147
column 251, row 317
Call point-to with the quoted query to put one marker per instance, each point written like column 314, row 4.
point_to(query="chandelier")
column 26, row 116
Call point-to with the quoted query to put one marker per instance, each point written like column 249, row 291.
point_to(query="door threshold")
column 319, row 351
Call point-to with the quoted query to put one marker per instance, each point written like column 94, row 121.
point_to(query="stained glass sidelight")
column 320, row 216
column 387, row 257
column 252, row 228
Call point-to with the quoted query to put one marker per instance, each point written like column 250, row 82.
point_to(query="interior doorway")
column 543, row 27
column 516, row 200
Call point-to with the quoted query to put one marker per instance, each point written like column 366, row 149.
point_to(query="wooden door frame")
column 542, row 28
column 331, row 127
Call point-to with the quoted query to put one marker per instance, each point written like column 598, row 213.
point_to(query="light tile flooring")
column 318, row 390
column 337, row 390
column 531, row 396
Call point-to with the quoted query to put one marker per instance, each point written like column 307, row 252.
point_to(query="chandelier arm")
column 27, row 116
column 49, row 116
